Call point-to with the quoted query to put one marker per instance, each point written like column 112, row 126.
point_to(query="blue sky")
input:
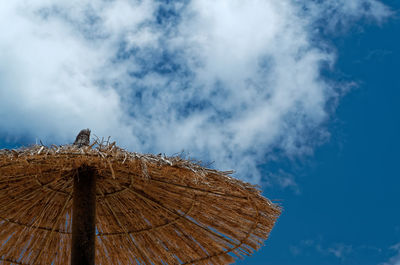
column 299, row 97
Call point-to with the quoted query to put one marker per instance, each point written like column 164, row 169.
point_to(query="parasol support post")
column 84, row 217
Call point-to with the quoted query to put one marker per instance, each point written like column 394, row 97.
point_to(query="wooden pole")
column 84, row 217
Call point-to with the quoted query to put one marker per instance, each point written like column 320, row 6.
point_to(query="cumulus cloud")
column 227, row 81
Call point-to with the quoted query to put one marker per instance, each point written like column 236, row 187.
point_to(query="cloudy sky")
column 300, row 97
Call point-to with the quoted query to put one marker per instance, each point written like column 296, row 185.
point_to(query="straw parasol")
column 79, row 203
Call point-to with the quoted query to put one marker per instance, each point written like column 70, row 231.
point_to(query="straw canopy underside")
column 150, row 209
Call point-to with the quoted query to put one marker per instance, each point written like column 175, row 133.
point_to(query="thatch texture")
column 150, row 209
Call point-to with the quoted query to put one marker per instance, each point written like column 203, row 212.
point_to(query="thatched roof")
column 150, row 209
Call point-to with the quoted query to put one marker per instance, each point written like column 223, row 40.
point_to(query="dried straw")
column 150, row 209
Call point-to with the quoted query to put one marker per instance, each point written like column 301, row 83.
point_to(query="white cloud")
column 283, row 180
column 395, row 260
column 338, row 250
column 227, row 81
column 338, row 14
